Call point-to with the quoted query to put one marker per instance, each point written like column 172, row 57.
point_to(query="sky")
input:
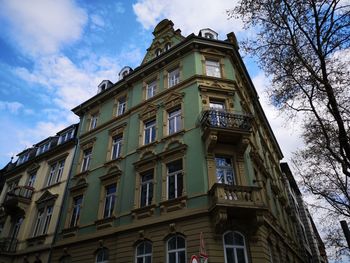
column 53, row 55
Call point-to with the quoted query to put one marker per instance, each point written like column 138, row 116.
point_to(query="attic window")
column 103, row 87
column 158, row 52
column 209, row 35
column 124, row 72
column 167, row 46
column 23, row 158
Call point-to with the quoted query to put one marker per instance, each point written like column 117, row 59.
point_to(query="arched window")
column 167, row 46
column 176, row 249
column 158, row 52
column 144, row 252
column 235, row 248
column 102, row 255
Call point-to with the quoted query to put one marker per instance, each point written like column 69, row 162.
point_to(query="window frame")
column 42, row 221
column 235, row 247
column 75, row 216
column 149, row 188
column 144, row 255
column 153, row 87
column 225, row 169
column 152, row 137
column 93, row 121
column 176, row 250
column 117, row 145
column 177, row 120
column 86, row 159
column 175, row 174
column 111, row 199
column 55, row 173
column 105, row 252
column 171, row 80
column 213, row 68
column 121, row 105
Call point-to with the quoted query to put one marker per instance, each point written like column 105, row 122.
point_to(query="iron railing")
column 25, row 192
column 224, row 119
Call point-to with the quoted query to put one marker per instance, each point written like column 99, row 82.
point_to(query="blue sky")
column 53, row 54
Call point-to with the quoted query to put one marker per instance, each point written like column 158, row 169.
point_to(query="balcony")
column 236, row 202
column 8, row 245
column 17, row 199
column 225, row 127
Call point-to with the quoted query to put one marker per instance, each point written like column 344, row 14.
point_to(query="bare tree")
column 304, row 47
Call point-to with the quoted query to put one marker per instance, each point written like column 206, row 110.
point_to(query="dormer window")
column 66, row 136
column 167, row 46
column 124, row 72
column 23, row 158
column 104, row 85
column 43, row 148
column 208, row 33
column 158, row 52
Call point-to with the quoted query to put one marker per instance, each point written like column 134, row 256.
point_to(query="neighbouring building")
column 307, row 232
column 32, row 196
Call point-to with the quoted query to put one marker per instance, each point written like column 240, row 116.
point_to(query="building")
column 307, row 232
column 177, row 158
column 32, row 197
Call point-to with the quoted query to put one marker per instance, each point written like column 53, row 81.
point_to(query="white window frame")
column 117, row 143
column 150, row 126
column 43, row 148
column 110, row 199
column 121, row 107
column 235, row 247
column 174, row 117
column 149, row 186
column 143, row 255
column 151, row 89
column 176, row 250
column 85, row 163
column 176, row 176
column 93, row 121
column 173, row 77
column 66, row 136
column 226, row 169
column 42, row 221
column 213, row 68
column 55, row 173
column 76, row 210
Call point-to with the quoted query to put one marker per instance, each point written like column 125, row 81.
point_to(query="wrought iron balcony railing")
column 8, row 244
column 224, row 119
column 24, row 192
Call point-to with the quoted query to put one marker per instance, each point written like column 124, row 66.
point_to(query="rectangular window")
column 151, row 89
column 116, row 146
column 23, row 158
column 31, row 179
column 77, row 202
column 43, row 221
column 93, row 122
column 43, row 148
column 86, row 159
column 109, row 200
column 173, row 77
column 66, row 136
column 55, row 174
column 213, row 68
column 224, row 170
column 146, row 188
column 174, row 179
column 121, row 106
column 218, row 116
column 150, row 131
column 174, row 121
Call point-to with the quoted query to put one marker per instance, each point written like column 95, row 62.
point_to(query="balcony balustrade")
column 225, row 127
column 23, row 192
column 17, row 200
column 236, row 196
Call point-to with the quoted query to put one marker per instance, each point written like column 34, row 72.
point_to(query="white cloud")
column 288, row 134
column 67, row 83
column 43, row 26
column 12, row 107
column 189, row 16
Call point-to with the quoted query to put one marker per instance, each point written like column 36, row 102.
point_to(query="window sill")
column 70, row 232
column 51, row 185
column 143, row 212
column 173, row 204
column 144, row 146
column 37, row 240
column 104, row 222
column 178, row 133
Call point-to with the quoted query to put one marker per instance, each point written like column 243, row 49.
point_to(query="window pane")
column 240, row 255
column 172, row 243
column 148, row 248
column 172, row 257
column 228, row 238
column 180, row 242
column 238, row 239
column 171, row 186
column 174, row 166
column 230, row 255
column 182, row 257
column 179, row 184
column 140, row 249
column 148, row 259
